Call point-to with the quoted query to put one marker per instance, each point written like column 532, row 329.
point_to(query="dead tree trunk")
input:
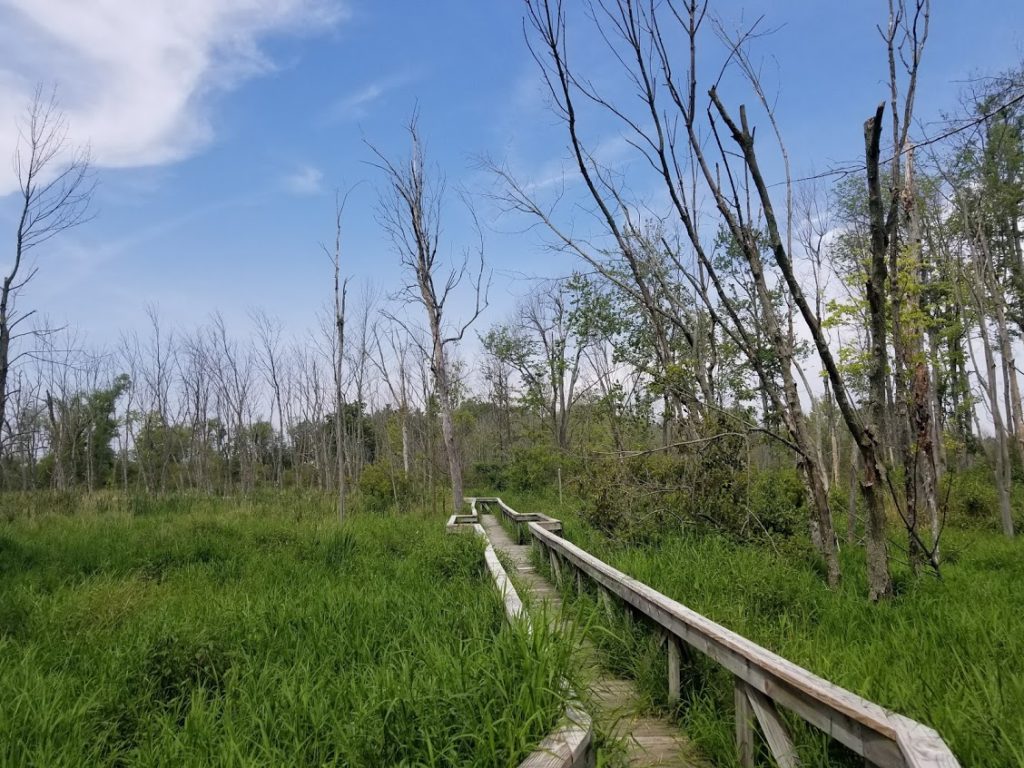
column 410, row 213
column 52, row 200
column 338, row 350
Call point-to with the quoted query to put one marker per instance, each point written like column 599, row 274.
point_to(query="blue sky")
column 222, row 127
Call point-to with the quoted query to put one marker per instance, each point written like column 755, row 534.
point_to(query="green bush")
column 972, row 496
column 643, row 497
column 489, row 475
column 532, row 469
column 381, row 489
column 778, row 500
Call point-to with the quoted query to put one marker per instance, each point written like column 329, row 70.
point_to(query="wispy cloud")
column 356, row 105
column 82, row 258
column 612, row 153
column 135, row 77
column 305, row 180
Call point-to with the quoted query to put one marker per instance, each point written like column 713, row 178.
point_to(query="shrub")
column 487, row 474
column 972, row 495
column 778, row 500
column 380, row 489
column 532, row 469
column 640, row 498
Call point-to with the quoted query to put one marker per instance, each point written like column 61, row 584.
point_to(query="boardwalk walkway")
column 615, row 703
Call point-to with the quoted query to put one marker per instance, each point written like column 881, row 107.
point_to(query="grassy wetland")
column 948, row 652
column 738, row 295
column 257, row 631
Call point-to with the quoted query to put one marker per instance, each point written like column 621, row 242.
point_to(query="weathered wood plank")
column 870, row 730
column 648, row 740
column 571, row 745
column 773, row 728
column 744, row 725
column 675, row 653
column 556, row 568
column 924, row 744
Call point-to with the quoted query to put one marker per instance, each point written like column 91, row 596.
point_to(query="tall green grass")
column 258, row 631
column 949, row 652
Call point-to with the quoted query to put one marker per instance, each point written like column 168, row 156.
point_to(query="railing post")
column 674, row 667
column 773, row 728
column 556, row 570
column 744, row 725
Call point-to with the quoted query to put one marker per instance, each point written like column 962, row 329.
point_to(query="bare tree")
column 157, row 363
column 358, row 361
column 338, row 346
column 268, row 357
column 696, row 148
column 410, row 212
column 55, row 192
column 393, row 367
column 231, row 369
column 667, row 136
column 129, row 358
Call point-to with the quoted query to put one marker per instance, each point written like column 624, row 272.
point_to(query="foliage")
column 382, row 488
column 971, row 498
column 947, row 652
column 254, row 631
column 641, row 498
column 81, row 428
column 777, row 500
column 533, row 468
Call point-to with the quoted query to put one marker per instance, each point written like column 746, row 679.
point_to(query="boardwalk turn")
column 649, row 740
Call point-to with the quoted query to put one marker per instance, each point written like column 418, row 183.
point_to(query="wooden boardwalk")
column 615, row 703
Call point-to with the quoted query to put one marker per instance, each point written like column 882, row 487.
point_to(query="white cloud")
column 357, row 104
column 305, row 180
column 611, row 153
column 134, row 75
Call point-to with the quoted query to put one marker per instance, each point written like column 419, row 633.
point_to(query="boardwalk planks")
column 571, row 744
column 765, row 680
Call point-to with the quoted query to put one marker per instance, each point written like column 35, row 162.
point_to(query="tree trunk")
column 443, row 390
column 851, row 502
column 1003, row 468
column 1011, row 388
column 404, row 417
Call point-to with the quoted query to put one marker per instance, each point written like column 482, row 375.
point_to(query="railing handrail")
column 884, row 737
column 570, row 745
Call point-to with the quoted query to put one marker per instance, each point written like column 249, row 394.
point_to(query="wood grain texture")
column 773, row 728
column 675, row 653
column 571, row 744
column 882, row 737
column 649, row 740
column 744, row 716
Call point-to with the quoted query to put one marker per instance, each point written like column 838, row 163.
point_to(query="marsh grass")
column 947, row 652
column 574, row 630
column 257, row 631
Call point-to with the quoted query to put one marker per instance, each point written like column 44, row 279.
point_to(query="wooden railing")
column 764, row 682
column 571, row 744
column 520, row 521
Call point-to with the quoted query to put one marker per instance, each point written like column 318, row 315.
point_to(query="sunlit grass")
column 947, row 652
column 259, row 632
